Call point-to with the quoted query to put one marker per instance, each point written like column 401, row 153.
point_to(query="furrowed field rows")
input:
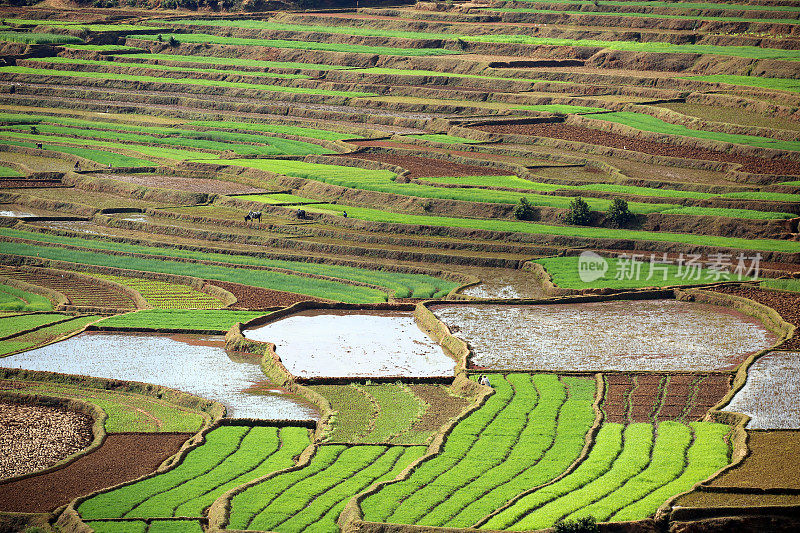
column 140, row 526
column 312, row 497
column 260, row 64
column 654, row 17
column 13, row 299
column 44, row 335
column 526, row 434
column 402, row 284
column 127, row 412
column 629, row 472
column 208, row 320
column 14, row 324
column 100, row 156
column 163, row 295
column 229, row 457
column 384, row 181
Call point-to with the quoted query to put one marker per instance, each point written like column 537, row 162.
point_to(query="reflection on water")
column 623, row 335
column 198, row 365
column 771, row 396
column 505, row 283
column 18, row 214
column 354, row 344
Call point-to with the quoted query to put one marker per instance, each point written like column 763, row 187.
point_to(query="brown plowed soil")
column 25, row 184
column 179, row 183
column 769, row 451
column 422, row 167
column 122, row 456
column 442, row 407
column 257, row 298
column 35, row 437
column 632, row 398
column 603, row 138
column 787, row 304
column 80, row 290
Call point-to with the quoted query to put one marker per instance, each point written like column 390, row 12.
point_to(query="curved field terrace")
column 196, row 365
column 354, row 344
column 659, row 335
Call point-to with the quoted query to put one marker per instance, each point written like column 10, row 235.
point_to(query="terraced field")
column 172, row 171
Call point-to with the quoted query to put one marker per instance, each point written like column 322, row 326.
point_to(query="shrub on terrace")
column 579, row 213
column 619, row 213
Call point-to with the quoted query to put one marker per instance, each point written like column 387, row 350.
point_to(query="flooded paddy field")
column 328, row 343
column 504, row 283
column 771, row 396
column 195, row 364
column 656, row 335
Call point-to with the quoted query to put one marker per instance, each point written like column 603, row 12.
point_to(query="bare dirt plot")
column 768, row 453
column 248, row 297
column 442, row 406
column 179, row 183
column 614, row 140
column 122, row 456
column 34, row 437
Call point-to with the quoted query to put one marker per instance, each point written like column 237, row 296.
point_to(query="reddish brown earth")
column 442, row 407
column 787, row 304
column 257, row 298
column 179, row 183
column 603, row 138
column 421, row 167
column 122, row 456
column 636, row 397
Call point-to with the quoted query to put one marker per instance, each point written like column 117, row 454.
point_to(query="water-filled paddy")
column 662, row 335
column 354, row 344
column 198, row 365
column 771, row 396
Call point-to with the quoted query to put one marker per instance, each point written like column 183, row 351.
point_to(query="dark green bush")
column 579, row 213
column 581, row 525
column 619, row 213
column 524, row 210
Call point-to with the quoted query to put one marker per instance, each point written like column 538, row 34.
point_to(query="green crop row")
column 6, row 172
column 103, row 65
column 38, row 38
column 764, row 196
column 383, row 181
column 442, row 138
column 354, row 412
column 229, row 457
column 13, row 299
column 298, row 45
column 655, row 271
column 219, row 320
column 314, row 496
column 527, row 433
column 645, row 15
column 779, row 84
column 44, row 335
column 126, row 411
column 312, row 133
column 403, row 285
column 560, row 108
column 673, row 5
column 321, row 288
column 234, row 61
column 728, row 212
column 417, row 72
column 278, row 198
column 792, row 285
column 647, row 123
column 399, row 410
column 140, row 526
column 626, row 475
column 99, row 156
column 376, row 215
column 163, row 295
column 15, row 324
column 179, row 81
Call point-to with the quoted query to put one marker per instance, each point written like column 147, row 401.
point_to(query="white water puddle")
column 354, row 344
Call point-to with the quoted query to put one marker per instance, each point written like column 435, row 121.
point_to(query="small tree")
column 173, row 42
column 524, row 210
column 619, row 213
column 579, row 213
column 587, row 524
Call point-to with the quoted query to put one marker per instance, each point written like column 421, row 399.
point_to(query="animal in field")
column 253, row 215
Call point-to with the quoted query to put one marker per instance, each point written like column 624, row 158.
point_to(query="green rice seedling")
column 180, row 81
column 354, row 411
column 175, row 526
column 44, row 335
column 99, row 156
column 235, row 61
column 377, row 215
column 104, row 65
column 416, row 72
column 383, row 181
column 399, row 410
column 118, row 526
column 6, row 172
column 641, row 191
column 220, row 320
column 298, row 45
column 792, row 285
column 779, row 84
column 645, row 15
column 113, row 48
column 300, row 131
column 14, row 299
column 673, row 5
column 15, row 324
column 513, row 182
column 764, row 196
column 442, row 138
column 708, row 453
column 728, row 212
column 278, row 198
column 164, row 295
column 229, row 457
column 315, row 495
column 647, row 123
column 38, row 38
